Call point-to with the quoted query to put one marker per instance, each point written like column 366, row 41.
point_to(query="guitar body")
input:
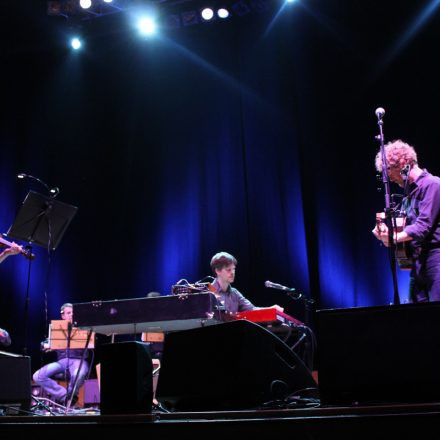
column 403, row 254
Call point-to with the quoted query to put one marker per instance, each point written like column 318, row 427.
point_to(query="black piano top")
column 157, row 314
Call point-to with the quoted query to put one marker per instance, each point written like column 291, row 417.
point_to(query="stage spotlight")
column 223, row 13
column 85, row 4
column 75, row 43
column 207, row 14
column 146, row 26
column 108, row 1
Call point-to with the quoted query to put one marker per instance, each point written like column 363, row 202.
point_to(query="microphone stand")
column 26, row 305
column 75, row 380
column 297, row 296
column 37, row 219
column 67, row 369
column 53, row 192
column 389, row 208
column 309, row 342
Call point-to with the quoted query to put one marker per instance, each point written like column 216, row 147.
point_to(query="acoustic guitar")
column 403, row 254
column 27, row 254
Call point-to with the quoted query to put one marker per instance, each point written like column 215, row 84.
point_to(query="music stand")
column 41, row 220
column 62, row 336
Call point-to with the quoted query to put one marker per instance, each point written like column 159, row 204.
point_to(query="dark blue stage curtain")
column 254, row 137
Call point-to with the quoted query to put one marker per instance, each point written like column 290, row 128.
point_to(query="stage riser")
column 379, row 354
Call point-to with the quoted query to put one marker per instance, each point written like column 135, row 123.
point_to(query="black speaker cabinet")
column 126, row 378
column 15, row 382
column 379, row 354
column 234, row 365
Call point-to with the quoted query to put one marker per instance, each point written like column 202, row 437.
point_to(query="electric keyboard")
column 156, row 314
column 269, row 315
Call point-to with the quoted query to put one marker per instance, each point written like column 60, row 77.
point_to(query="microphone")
column 52, row 191
column 271, row 285
column 405, row 170
column 380, row 112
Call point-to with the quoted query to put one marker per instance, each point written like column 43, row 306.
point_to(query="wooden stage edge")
column 379, row 421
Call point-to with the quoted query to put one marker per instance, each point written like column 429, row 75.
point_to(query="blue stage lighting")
column 223, row 13
column 207, row 14
column 75, row 43
column 147, row 26
column 85, row 4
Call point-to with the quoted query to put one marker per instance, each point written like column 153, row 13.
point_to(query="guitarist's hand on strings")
column 381, row 233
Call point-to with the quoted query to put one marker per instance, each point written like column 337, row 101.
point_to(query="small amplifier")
column 15, row 382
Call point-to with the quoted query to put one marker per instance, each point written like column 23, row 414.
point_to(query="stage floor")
column 378, row 421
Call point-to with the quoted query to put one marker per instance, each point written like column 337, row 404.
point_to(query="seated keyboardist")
column 223, row 265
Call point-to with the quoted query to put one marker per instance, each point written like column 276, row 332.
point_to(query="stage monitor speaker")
column 15, row 383
column 379, row 354
column 234, row 365
column 126, row 378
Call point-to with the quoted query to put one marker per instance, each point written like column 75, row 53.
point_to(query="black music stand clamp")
column 41, row 220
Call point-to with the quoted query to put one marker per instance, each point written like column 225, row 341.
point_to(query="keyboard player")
column 232, row 301
column 223, row 265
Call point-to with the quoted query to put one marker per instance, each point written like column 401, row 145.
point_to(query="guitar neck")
column 24, row 252
column 4, row 242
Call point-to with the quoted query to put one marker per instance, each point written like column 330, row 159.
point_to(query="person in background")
column 5, row 339
column 68, row 362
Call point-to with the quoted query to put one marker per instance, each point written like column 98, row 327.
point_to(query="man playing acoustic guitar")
column 421, row 206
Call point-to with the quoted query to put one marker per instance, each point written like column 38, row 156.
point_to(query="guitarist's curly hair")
column 398, row 154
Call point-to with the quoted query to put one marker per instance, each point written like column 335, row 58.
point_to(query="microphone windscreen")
column 380, row 112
